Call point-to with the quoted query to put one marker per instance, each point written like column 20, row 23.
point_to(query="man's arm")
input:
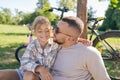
column 96, row 65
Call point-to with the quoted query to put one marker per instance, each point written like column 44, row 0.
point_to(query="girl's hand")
column 85, row 41
column 44, row 73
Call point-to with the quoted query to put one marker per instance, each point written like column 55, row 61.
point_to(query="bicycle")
column 108, row 44
column 20, row 50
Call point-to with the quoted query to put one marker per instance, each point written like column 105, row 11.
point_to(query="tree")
column 19, row 15
column 82, row 13
column 70, row 4
column 7, row 13
column 2, row 18
column 41, row 3
column 112, row 21
column 44, row 11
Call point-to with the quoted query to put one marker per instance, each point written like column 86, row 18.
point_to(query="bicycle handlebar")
column 96, row 19
column 64, row 9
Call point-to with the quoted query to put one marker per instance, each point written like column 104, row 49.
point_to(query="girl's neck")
column 43, row 44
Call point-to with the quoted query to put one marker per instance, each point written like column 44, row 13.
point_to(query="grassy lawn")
column 10, row 38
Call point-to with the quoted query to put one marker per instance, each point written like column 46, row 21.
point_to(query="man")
column 76, row 61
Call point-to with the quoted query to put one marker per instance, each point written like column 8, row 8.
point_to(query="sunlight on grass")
column 11, row 37
column 9, row 60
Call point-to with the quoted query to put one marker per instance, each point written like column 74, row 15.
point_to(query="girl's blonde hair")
column 41, row 20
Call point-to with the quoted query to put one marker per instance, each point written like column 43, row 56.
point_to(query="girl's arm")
column 85, row 41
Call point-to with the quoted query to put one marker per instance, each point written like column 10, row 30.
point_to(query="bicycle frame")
column 103, row 41
column 30, row 39
column 92, row 28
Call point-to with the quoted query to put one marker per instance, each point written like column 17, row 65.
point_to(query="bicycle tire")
column 112, row 62
column 19, row 52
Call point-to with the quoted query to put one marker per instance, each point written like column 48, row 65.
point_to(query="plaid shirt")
column 35, row 55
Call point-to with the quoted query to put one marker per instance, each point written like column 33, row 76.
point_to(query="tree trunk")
column 82, row 13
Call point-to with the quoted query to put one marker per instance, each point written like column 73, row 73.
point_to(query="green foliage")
column 112, row 21
column 41, row 3
column 28, row 18
column 113, row 3
column 70, row 4
column 5, row 16
column 2, row 18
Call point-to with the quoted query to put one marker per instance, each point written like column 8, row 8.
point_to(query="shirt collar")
column 49, row 44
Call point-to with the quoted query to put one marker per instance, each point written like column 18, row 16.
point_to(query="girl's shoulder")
column 33, row 44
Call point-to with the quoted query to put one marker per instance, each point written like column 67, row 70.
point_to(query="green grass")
column 10, row 38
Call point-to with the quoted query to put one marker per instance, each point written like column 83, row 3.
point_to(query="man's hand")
column 44, row 73
column 85, row 41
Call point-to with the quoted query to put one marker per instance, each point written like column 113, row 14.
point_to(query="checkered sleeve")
column 28, row 60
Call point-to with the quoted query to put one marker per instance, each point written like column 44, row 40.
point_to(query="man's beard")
column 56, row 41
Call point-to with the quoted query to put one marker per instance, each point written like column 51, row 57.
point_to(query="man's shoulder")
column 89, row 50
column 80, row 45
column 88, row 47
column 92, row 52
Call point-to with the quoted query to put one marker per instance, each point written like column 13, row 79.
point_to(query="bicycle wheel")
column 111, row 57
column 19, row 52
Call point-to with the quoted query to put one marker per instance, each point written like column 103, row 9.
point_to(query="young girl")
column 40, row 53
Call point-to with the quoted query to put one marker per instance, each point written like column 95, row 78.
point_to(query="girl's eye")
column 47, row 31
column 40, row 31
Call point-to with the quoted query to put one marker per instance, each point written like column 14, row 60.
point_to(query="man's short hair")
column 74, row 22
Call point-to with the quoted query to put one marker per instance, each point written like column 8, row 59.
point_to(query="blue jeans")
column 19, row 74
